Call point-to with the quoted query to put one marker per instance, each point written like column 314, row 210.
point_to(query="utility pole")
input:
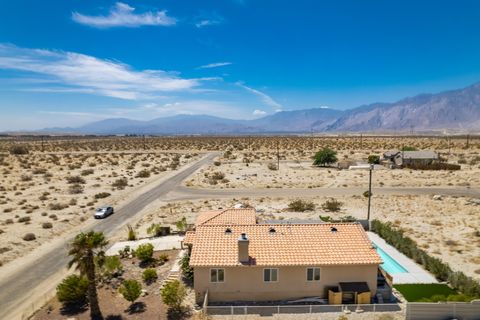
column 43, row 137
column 369, row 193
column 361, row 141
column 468, row 141
column 144, row 143
column 278, row 155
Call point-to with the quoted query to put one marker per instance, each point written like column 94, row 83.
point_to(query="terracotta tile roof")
column 289, row 245
column 206, row 215
column 227, row 216
column 189, row 237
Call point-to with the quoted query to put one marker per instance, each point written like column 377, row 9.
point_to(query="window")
column 313, row 274
column 217, row 275
column 270, row 275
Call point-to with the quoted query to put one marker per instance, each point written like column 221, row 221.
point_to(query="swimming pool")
column 389, row 264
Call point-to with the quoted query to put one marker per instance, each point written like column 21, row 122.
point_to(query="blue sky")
column 66, row 63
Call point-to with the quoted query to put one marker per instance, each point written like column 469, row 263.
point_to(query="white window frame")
column 216, row 269
column 278, row 275
column 313, row 280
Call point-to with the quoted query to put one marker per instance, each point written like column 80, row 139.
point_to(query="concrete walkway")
column 415, row 274
column 161, row 243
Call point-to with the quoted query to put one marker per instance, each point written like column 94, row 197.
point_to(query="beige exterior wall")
column 245, row 283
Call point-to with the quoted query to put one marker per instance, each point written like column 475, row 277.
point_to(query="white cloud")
column 87, row 74
column 258, row 112
column 266, row 99
column 122, row 15
column 214, row 65
column 206, row 22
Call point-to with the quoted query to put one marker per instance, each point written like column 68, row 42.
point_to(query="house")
column 236, row 259
column 397, row 158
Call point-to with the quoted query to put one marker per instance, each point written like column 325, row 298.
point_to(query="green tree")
column 83, row 250
column 131, row 290
column 144, row 252
column 373, row 159
column 187, row 271
column 72, row 289
column 173, row 294
column 325, row 157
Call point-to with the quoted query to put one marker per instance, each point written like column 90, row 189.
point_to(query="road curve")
column 18, row 290
column 185, row 193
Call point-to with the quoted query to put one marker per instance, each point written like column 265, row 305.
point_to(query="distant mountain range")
column 456, row 109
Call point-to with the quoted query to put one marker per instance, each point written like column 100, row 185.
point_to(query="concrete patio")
column 160, row 243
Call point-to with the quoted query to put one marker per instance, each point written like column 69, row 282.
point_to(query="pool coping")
column 415, row 273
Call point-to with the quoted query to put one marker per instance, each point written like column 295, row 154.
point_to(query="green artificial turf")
column 416, row 292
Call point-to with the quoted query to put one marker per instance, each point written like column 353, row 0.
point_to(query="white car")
column 103, row 212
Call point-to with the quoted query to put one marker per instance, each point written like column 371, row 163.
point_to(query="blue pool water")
column 389, row 264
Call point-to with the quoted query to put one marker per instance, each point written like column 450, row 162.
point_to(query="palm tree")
column 83, row 250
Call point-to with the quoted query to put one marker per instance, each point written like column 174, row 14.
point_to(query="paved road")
column 17, row 290
column 185, row 193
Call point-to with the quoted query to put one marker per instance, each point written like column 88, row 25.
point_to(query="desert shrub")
column 111, row 265
column 163, row 258
column 154, row 230
column 24, row 219
column 181, row 224
column 217, row 163
column 373, row 159
column 324, row 157
column 86, row 172
column 149, row 275
column 408, row 148
column 144, row 252
column 57, row 206
column 18, row 150
column 301, row 206
column 75, row 189
column 434, row 166
column 25, row 177
column 332, row 205
column 72, row 289
column 272, row 166
column 47, row 225
column 102, row 195
column 39, row 171
column 217, row 175
column 442, row 271
column 29, row 237
column 131, row 236
column 173, row 294
column 131, row 290
column 143, row 174
column 120, row 183
column 75, row 180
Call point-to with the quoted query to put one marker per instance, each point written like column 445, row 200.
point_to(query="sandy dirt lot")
column 48, row 194
column 252, row 170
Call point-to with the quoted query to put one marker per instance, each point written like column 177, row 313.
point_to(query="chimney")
column 243, row 242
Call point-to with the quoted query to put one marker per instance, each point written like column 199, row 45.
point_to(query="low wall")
column 439, row 311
